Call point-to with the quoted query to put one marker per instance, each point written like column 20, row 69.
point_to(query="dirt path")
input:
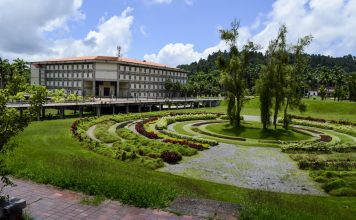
column 249, row 167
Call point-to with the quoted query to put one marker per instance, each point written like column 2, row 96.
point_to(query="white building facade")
column 103, row 76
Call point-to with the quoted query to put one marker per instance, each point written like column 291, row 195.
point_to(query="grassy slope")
column 254, row 130
column 48, row 154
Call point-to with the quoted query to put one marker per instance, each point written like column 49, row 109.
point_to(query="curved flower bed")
column 190, row 138
column 163, row 122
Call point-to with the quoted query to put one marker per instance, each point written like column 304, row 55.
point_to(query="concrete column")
column 127, row 108
column 139, row 108
column 160, row 107
column 113, row 110
column 80, row 112
column 210, row 104
column 94, row 76
column 62, row 112
column 192, row 105
column 98, row 110
column 117, row 88
column 150, row 108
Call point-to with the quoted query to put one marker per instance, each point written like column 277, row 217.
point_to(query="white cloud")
column 161, row 1
column 143, row 30
column 111, row 32
column 179, row 53
column 24, row 23
column 332, row 23
column 29, row 42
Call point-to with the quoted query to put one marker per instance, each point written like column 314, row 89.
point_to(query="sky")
column 170, row 32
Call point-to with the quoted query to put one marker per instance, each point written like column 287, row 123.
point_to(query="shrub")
column 171, row 157
column 343, row 191
column 314, row 146
column 334, row 184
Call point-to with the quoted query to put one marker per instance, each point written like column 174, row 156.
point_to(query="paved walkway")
column 48, row 202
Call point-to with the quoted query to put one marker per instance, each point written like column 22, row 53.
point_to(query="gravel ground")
column 248, row 167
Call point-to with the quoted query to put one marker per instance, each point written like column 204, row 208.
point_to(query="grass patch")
column 254, row 130
column 92, row 200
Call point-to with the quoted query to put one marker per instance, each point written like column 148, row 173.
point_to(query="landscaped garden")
column 130, row 157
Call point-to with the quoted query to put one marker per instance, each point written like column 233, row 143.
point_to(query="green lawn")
column 47, row 153
column 254, row 130
column 327, row 109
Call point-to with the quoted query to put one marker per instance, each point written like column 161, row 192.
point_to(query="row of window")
column 149, row 78
column 146, row 86
column 68, row 75
column 122, row 68
column 125, row 77
column 69, row 67
column 150, row 70
column 64, row 83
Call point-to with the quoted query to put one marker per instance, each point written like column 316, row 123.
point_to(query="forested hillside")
column 347, row 63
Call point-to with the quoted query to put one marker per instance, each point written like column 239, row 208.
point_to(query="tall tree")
column 294, row 80
column 233, row 72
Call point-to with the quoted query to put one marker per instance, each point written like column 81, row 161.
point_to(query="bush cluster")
column 171, row 157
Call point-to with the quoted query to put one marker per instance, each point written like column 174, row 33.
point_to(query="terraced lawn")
column 254, row 130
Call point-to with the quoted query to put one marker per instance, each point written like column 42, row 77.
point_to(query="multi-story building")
column 104, row 76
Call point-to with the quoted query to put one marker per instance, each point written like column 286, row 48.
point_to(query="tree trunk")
column 275, row 115
column 285, row 119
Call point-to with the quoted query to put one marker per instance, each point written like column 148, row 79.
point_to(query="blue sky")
column 167, row 31
column 175, row 22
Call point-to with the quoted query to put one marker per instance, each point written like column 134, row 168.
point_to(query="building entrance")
column 106, row 91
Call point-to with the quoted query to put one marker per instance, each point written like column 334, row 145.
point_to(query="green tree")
column 263, row 88
column 177, row 86
column 352, row 87
column 11, row 123
column 322, row 92
column 294, row 80
column 37, row 99
column 233, row 72
column 168, row 86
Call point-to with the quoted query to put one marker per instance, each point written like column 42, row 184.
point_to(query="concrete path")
column 90, row 133
column 48, row 202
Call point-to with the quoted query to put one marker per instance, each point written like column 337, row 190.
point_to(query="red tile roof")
column 105, row 58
